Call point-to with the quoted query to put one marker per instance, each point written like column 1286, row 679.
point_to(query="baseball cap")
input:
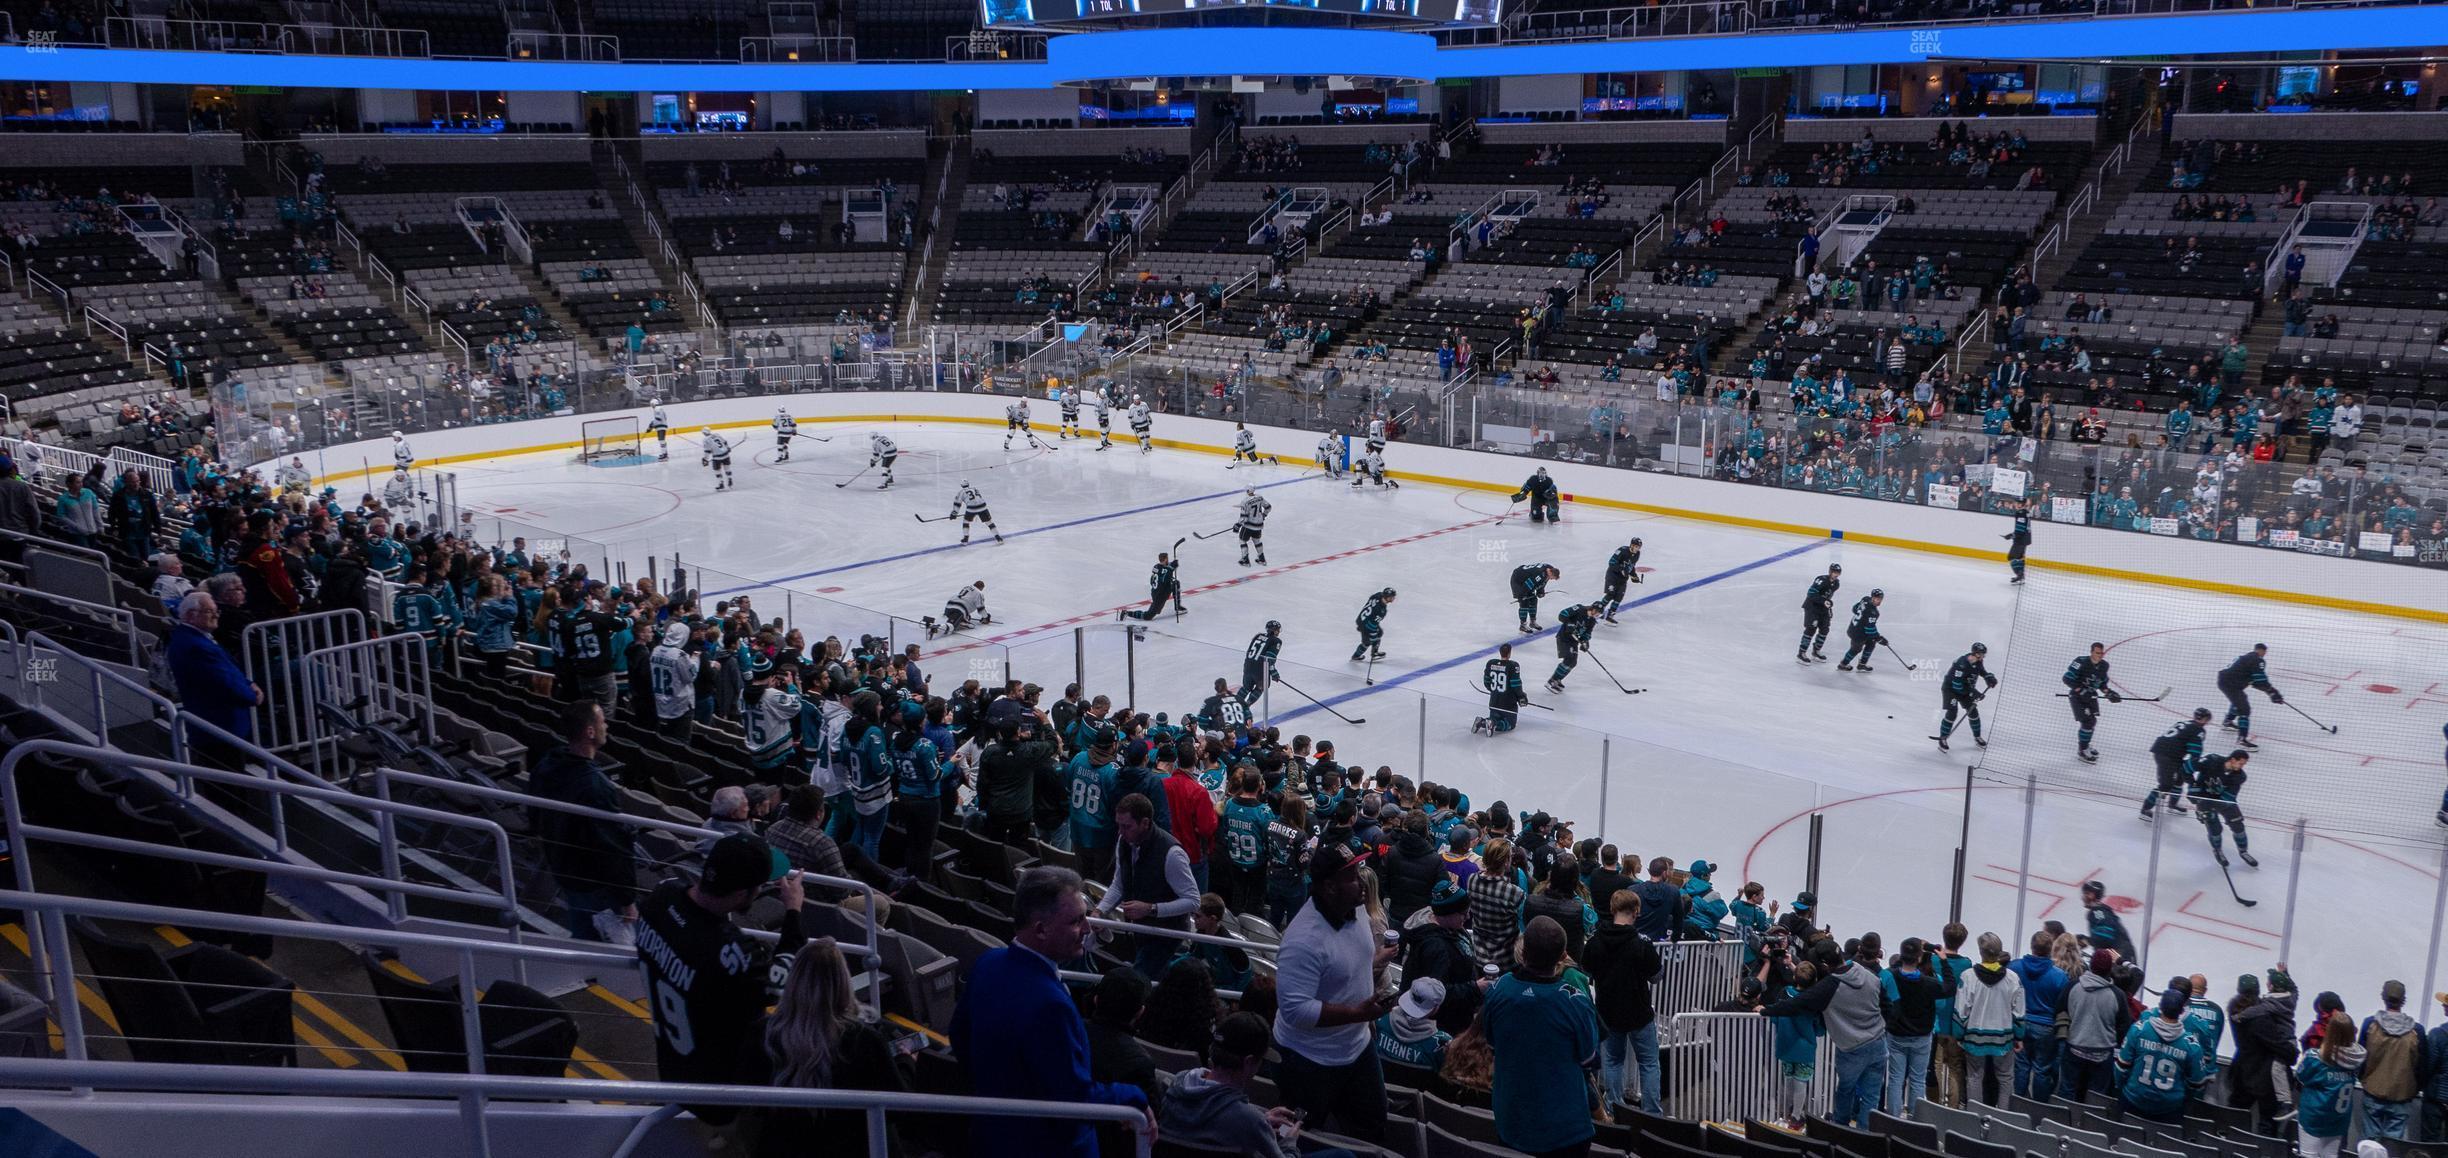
column 2393, row 992
column 1420, row 1002
column 1389, row 811
column 741, row 860
column 1701, row 868
column 1805, row 900
column 2248, row 983
column 2280, row 982
column 1242, row 1035
column 1448, row 897
column 1332, row 859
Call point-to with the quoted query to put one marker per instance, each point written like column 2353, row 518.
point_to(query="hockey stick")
column 1619, row 684
column 2129, row 699
column 936, row 519
column 2329, row 728
column 1908, row 664
column 1526, row 702
column 1368, row 676
column 2229, row 873
column 809, row 437
column 1354, row 721
column 854, row 478
column 1210, row 535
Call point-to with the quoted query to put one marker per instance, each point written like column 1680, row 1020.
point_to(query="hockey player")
column 1140, row 421
column 881, row 452
column 2105, row 928
column 1376, row 434
column 1371, row 468
column 1502, row 680
column 2250, row 670
column 1070, row 414
column 967, row 607
column 1104, row 409
column 1540, row 490
column 1258, row 663
column 1245, row 446
column 785, row 429
column 1330, row 455
column 399, row 494
column 2086, row 680
column 662, row 430
column 1862, row 635
column 1573, row 627
column 2218, row 785
column 2174, row 752
column 1251, row 524
column 715, row 452
column 2018, row 539
column 1372, row 625
column 1529, row 583
column 293, row 476
column 1164, row 583
column 1223, row 712
column 1818, row 609
column 970, row 507
column 1622, row 569
column 1016, row 421
column 402, row 458
column 1962, row 690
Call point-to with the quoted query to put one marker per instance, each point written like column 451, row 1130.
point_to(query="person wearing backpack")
column 2392, row 1044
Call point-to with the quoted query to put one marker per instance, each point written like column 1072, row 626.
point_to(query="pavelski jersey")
column 717, row 448
column 1139, row 416
column 707, row 982
column 674, row 672
column 1254, row 511
column 881, row 446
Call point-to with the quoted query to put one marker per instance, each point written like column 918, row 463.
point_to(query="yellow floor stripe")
column 600, row 1068
column 86, row 997
column 619, row 1002
column 314, row 1005
column 330, row 1049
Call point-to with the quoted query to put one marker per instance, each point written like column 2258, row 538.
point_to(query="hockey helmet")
column 1636, row 540
column 781, row 411
column 1878, row 593
column 1980, row 649
column 2094, row 889
column 1388, row 593
column 1542, row 472
column 1274, row 626
column 705, row 432
column 2201, row 713
column 1249, row 490
column 1835, row 568
column 397, row 436
column 654, row 402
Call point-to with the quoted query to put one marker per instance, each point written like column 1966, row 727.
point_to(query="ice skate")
column 2087, row 755
column 1556, row 686
column 1942, row 744
column 2245, row 855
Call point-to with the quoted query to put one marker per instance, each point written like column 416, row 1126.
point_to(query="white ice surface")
column 1727, row 750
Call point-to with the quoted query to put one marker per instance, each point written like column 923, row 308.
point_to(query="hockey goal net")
column 609, row 438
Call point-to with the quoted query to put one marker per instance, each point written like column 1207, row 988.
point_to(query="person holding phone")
column 1327, row 996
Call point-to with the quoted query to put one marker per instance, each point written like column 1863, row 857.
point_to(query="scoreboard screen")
column 1017, row 12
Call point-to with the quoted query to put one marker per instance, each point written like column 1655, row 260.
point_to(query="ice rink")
column 1728, row 748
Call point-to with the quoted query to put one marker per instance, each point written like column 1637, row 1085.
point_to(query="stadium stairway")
column 549, row 299
column 2079, row 231
column 616, row 191
column 947, row 176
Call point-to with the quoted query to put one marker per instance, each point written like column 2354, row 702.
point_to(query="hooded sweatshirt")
column 1404, row 1040
column 2160, row 1065
column 2265, row 1033
column 2044, row 987
column 1989, row 1006
column 1847, row 1000
column 2097, row 1015
column 2393, row 1052
column 1705, row 910
column 1912, row 999
column 1200, row 1111
column 2326, row 1103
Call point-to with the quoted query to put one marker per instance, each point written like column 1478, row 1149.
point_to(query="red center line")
column 1219, row 585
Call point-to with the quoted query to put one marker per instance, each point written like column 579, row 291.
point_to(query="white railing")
column 163, row 34
column 452, row 337
column 8, row 272
column 355, row 40
column 155, row 469
column 472, row 1091
column 2083, row 201
column 375, row 266
column 347, row 236
column 537, row 45
column 1719, row 171
column 412, row 299
column 798, row 48
column 1656, row 228
column 1976, row 329
column 1595, row 280
column 96, row 318
column 2050, row 242
column 35, row 280
column 1674, row 209
column 1751, row 140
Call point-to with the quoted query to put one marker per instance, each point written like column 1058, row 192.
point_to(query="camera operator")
column 1018, row 760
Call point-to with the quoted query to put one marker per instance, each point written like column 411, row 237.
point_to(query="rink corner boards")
column 2332, row 602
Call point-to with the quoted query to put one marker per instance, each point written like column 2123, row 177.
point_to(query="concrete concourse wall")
column 2347, row 584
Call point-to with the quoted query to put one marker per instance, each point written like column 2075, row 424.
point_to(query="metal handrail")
column 473, row 1090
column 57, row 964
column 873, row 946
column 135, row 642
column 504, row 900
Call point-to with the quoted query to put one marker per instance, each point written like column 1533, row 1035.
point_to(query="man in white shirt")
column 2345, row 423
column 1327, row 998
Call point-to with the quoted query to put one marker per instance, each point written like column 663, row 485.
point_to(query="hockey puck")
column 1891, row 717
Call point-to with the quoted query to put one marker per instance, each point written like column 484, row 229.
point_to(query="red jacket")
column 1194, row 814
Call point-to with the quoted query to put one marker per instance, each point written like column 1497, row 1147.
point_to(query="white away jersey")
column 674, row 672
column 1254, row 511
column 717, row 448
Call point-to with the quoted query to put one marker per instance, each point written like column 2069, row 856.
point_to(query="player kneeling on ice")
column 717, row 454
column 1371, row 468
column 965, row 609
column 1540, row 490
column 1502, row 680
column 1963, row 690
column 1372, row 625
column 1245, row 446
column 2218, row 785
column 1573, row 627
